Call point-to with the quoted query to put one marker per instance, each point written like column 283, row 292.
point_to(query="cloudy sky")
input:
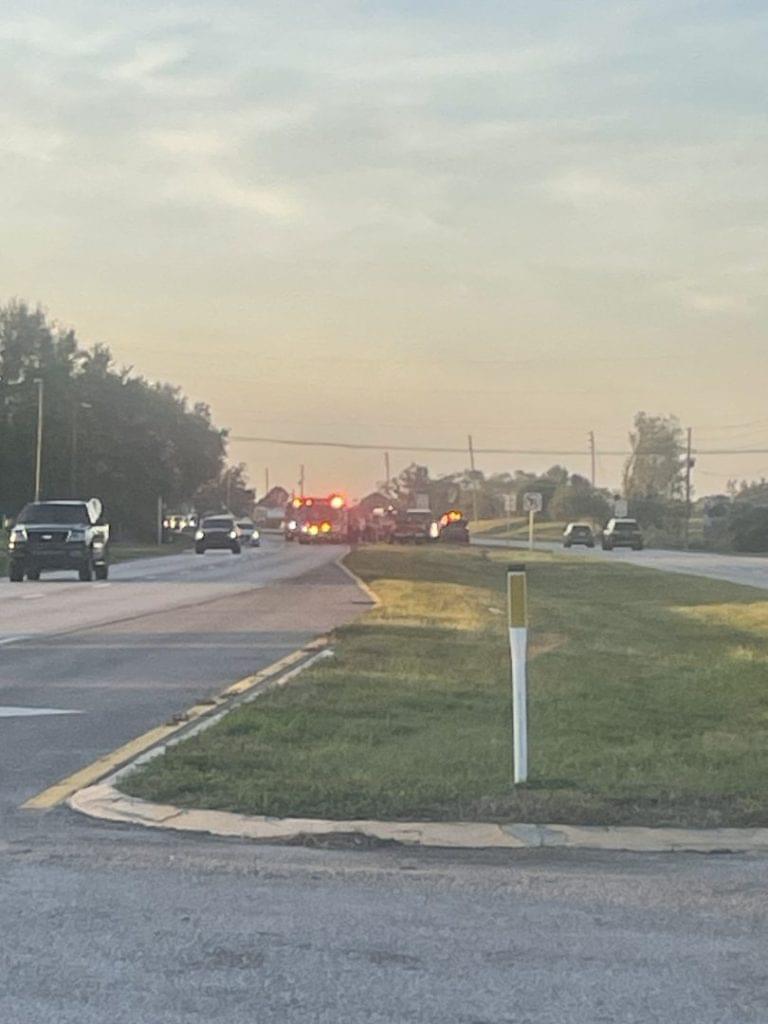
column 400, row 222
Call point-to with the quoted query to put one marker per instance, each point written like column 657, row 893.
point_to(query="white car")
column 249, row 535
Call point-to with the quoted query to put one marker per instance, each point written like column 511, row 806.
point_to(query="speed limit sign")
column 532, row 502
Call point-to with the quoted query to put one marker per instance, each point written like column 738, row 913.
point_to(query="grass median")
column 648, row 704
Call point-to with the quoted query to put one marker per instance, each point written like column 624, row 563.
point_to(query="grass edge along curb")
column 105, row 802
column 292, row 756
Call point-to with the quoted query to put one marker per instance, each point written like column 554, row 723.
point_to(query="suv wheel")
column 33, row 574
column 16, row 573
column 235, row 549
column 199, row 549
column 85, row 571
column 102, row 571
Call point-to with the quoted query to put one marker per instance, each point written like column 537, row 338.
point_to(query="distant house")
column 270, row 509
column 371, row 501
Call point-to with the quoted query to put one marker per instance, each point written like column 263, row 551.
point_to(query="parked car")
column 622, row 533
column 52, row 535
column 249, row 535
column 217, row 532
column 578, row 533
column 413, row 526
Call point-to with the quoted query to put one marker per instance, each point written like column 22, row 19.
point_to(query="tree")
column 229, row 490
column 576, row 498
column 115, row 434
column 656, row 465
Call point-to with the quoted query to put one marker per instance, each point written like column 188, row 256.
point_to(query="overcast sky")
column 403, row 222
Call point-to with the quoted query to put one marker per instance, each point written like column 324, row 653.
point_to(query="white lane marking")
column 31, row 597
column 9, row 711
column 11, row 640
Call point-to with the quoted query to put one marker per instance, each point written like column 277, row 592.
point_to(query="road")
column 104, row 923
column 749, row 570
column 85, row 667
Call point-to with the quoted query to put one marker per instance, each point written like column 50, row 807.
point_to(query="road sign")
column 532, row 502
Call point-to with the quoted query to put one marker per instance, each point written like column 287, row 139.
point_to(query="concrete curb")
column 372, row 596
column 105, row 802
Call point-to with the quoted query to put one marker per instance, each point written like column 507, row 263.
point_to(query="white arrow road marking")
column 9, row 711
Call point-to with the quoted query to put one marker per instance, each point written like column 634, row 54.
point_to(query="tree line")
column 107, row 431
column 656, row 483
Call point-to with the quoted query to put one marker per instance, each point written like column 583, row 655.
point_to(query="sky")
column 402, row 223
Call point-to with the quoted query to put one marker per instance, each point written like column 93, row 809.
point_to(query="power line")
column 449, row 450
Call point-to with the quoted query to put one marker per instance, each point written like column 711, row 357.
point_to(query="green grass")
column 516, row 528
column 648, row 704
column 122, row 552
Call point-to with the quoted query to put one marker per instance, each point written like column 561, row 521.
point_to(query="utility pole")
column 73, row 467
column 592, row 456
column 688, row 467
column 387, row 473
column 474, row 480
column 266, row 481
column 301, row 480
column 39, row 449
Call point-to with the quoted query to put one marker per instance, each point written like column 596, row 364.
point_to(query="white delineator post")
column 531, row 515
column 517, row 609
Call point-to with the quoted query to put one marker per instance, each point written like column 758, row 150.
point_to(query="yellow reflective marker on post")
column 517, row 614
column 517, row 597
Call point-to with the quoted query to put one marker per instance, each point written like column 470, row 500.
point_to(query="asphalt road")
column 85, row 667
column 107, row 925
column 750, row 570
column 103, row 923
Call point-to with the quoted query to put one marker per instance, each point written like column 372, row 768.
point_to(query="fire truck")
column 313, row 520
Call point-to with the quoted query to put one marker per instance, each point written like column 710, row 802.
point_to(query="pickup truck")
column 54, row 535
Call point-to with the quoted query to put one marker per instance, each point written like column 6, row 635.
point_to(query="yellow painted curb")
column 109, row 763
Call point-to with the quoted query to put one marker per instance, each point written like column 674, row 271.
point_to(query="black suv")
column 217, row 532
column 578, row 533
column 51, row 535
column 622, row 533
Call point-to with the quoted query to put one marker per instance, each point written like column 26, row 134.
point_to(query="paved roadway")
column 85, row 667
column 103, row 923
column 750, row 570
column 106, row 925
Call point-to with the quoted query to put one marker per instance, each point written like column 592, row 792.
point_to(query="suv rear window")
column 218, row 524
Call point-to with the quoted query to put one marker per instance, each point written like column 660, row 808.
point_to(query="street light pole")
column 73, row 467
column 39, row 449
